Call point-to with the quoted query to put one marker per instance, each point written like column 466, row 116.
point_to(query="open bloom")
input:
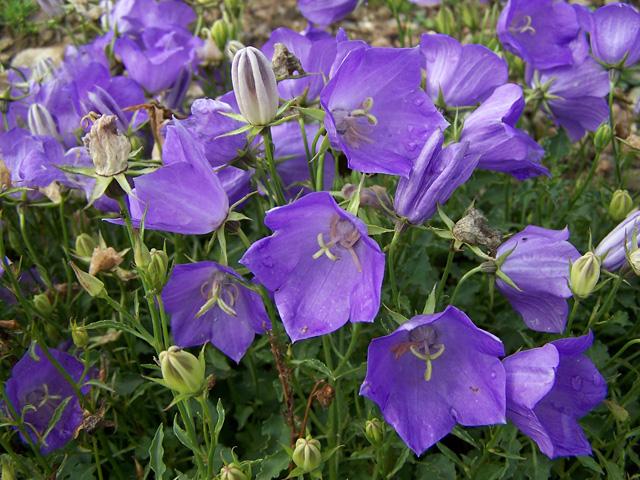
column 613, row 248
column 433, row 372
column 462, row 75
column 376, row 112
column 614, row 31
column 134, row 16
column 207, row 303
column 436, row 174
column 320, row 264
column 538, row 262
column 326, row 11
column 549, row 389
column 36, row 388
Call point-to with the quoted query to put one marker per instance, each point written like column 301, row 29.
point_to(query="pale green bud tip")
column 306, row 454
column 79, row 335
column 602, row 136
column 157, row 267
column 220, row 33
column 585, row 273
column 85, row 244
column 373, row 430
column 42, row 304
column 232, row 472
column 89, row 283
column 621, row 204
column 634, row 261
column 182, row 371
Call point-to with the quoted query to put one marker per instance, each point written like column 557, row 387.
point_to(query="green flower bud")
column 634, row 261
column 621, row 204
column 85, row 244
column 220, row 33
column 42, row 304
column 233, row 472
column 602, row 137
column 374, row 431
column 79, row 335
column 141, row 254
column 89, row 283
column 182, row 371
column 306, row 454
column 8, row 472
column 445, row 21
column 585, row 273
column 234, row 7
column 157, row 268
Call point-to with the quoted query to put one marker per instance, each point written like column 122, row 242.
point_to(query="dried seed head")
column 109, row 150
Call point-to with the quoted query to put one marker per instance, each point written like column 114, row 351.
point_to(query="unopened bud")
column 634, row 261
column 254, row 85
column 445, row 21
column 42, row 304
column 104, row 259
column 306, row 454
column 374, row 431
column 234, row 7
column 89, row 283
column 621, row 204
column 41, row 122
column 233, row 47
column 182, row 371
column 584, row 276
column 602, row 137
column 157, row 268
column 85, row 245
column 79, row 335
column 220, row 33
column 109, row 150
column 232, row 472
column 8, row 472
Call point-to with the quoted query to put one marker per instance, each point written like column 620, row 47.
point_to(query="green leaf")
column 272, row 465
column 156, row 452
column 447, row 221
column 591, row 464
column 397, row 317
column 430, row 305
column 436, row 467
column 182, row 436
column 55, row 418
column 402, row 459
column 121, row 326
column 377, row 230
column 315, row 113
column 220, row 421
column 316, row 365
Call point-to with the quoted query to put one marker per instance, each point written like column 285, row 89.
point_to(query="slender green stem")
column 320, row 171
column 464, row 278
column 445, row 275
column 614, row 139
column 274, row 177
column 602, row 312
column 32, row 253
column 355, row 328
column 584, row 185
column 187, row 419
column 574, row 310
column 96, row 454
column 307, row 149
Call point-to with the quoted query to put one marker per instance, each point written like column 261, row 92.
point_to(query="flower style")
column 538, row 261
column 320, row 264
column 207, row 303
column 376, row 112
column 433, row 372
column 549, row 389
column 613, row 248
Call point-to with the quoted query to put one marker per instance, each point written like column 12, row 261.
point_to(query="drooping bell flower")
column 326, row 12
column 377, row 114
column 614, row 31
column 36, row 388
column 207, row 303
column 460, row 75
column 541, row 32
column 320, row 264
column 433, row 372
column 254, row 86
column 549, row 389
column 134, row 16
column 492, row 135
column 614, row 247
column 435, row 175
column 538, row 261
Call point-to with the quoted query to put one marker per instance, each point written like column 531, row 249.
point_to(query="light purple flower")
column 137, row 15
column 36, row 382
column 614, row 31
column 326, row 12
column 463, row 75
column 233, row 313
column 435, row 175
column 433, row 372
column 376, row 112
column 549, row 389
column 614, row 246
column 320, row 264
column 492, row 135
column 539, row 265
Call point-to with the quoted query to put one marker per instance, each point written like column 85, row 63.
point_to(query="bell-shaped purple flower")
column 207, row 303
column 614, row 31
column 435, row 175
column 36, row 388
column 134, row 16
column 433, row 372
column 538, row 261
column 320, row 264
column 376, row 112
column 492, row 135
column 326, row 11
column 541, row 32
column 549, row 389
column 613, row 248
column 461, row 75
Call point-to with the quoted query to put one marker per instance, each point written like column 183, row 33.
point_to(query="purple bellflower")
column 538, row 261
column 435, row 175
column 320, row 264
column 614, row 31
column 460, row 75
column 492, row 135
column 37, row 384
column 433, row 372
column 376, row 112
column 613, row 248
column 549, row 389
column 326, row 12
column 207, row 303
column 541, row 32
column 129, row 16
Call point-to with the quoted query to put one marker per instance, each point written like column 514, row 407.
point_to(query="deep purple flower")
column 37, row 383
column 137, row 15
column 435, row 371
column 376, row 112
column 549, row 389
column 539, row 265
column 614, row 31
column 463, row 75
column 539, row 31
column 435, row 175
column 320, row 264
column 577, row 96
column 613, row 248
column 230, row 313
column 326, row 12
column 492, row 135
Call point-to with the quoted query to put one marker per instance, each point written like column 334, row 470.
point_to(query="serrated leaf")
column 271, row 466
column 156, row 453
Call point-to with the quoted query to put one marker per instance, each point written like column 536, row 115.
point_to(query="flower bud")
column 233, row 47
column 634, row 261
column 374, row 431
column 8, row 472
column 41, row 122
column 85, row 244
column 234, row 7
column 89, row 283
column 220, row 33
column 157, row 268
column 621, row 204
column 79, row 335
column 445, row 21
column 42, row 304
column 108, row 149
column 232, row 472
column 254, row 85
column 182, row 371
column 584, row 276
column 306, row 454
column 602, row 137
